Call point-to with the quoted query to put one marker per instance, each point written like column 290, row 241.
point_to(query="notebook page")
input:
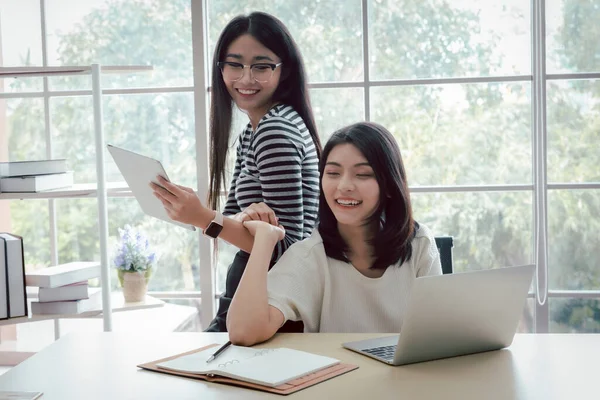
column 196, row 363
column 278, row 366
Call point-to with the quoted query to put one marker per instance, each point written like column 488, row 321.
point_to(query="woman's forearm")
column 233, row 231
column 248, row 314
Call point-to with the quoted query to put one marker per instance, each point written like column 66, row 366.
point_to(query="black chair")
column 444, row 245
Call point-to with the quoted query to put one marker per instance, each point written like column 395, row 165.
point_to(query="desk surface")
column 102, row 366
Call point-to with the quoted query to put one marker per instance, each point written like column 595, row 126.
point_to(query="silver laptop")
column 454, row 315
column 139, row 171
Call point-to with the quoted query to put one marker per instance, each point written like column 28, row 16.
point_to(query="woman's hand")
column 265, row 229
column 180, row 202
column 258, row 212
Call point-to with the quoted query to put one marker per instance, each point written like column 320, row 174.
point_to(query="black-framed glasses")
column 234, row 71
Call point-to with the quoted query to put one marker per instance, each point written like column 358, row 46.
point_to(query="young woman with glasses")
column 257, row 67
column 356, row 271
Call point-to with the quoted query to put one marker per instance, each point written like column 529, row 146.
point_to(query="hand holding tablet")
column 180, row 202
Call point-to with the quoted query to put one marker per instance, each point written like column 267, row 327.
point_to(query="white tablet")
column 139, row 171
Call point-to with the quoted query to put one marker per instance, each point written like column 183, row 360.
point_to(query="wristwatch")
column 215, row 227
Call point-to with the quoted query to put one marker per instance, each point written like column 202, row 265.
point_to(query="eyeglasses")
column 260, row 72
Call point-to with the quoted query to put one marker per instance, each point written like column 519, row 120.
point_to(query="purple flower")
column 119, row 260
column 133, row 253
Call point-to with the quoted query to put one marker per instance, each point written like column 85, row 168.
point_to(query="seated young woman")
column 356, row 270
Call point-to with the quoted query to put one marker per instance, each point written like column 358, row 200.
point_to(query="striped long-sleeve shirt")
column 277, row 164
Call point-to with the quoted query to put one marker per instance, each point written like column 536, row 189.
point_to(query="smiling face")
column 349, row 186
column 252, row 97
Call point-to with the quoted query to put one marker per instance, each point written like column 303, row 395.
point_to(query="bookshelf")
column 23, row 72
column 118, row 304
column 114, row 189
column 98, row 190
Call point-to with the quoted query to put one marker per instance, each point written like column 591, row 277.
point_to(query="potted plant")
column 135, row 263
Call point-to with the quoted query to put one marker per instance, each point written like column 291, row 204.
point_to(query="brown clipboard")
column 285, row 389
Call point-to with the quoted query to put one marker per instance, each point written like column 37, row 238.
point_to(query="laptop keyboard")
column 385, row 352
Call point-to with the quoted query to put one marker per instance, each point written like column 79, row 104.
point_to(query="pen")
column 221, row 349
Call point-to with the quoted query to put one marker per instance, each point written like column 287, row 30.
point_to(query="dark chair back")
column 445, row 244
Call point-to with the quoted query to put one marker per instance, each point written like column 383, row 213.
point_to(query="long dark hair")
column 392, row 242
column 292, row 89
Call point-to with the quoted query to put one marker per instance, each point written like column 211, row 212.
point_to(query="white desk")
column 102, row 366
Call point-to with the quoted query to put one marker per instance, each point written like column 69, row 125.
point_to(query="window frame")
column 539, row 187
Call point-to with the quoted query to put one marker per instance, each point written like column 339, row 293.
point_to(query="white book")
column 4, row 395
column 36, row 183
column 12, row 281
column 269, row 367
column 94, row 302
column 40, row 167
column 64, row 274
column 74, row 291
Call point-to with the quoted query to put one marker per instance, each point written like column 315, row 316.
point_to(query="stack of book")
column 34, row 176
column 64, row 289
column 13, row 299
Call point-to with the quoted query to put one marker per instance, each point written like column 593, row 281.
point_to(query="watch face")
column 213, row 230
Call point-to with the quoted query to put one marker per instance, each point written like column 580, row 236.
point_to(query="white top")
column 329, row 295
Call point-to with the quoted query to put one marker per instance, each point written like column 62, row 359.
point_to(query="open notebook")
column 303, row 382
column 268, row 367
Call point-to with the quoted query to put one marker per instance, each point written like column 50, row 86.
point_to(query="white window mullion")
column 366, row 73
column 539, row 165
column 201, row 83
column 574, row 185
column 574, row 76
column 53, row 230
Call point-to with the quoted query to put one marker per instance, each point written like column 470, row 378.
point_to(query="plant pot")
column 135, row 285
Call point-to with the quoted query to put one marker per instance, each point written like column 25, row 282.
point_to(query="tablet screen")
column 138, row 171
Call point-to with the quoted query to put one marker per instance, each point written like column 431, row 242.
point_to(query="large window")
column 573, row 159
column 495, row 105
column 151, row 113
